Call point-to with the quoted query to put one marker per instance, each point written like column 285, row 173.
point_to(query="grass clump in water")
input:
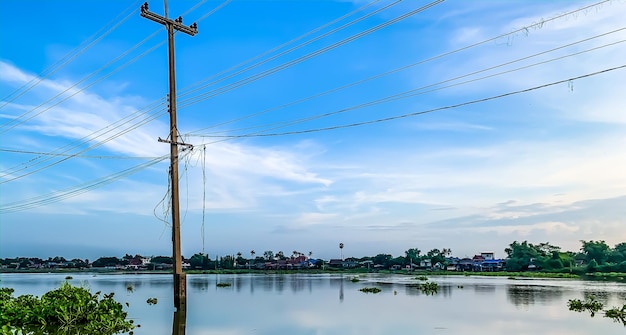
column 591, row 304
column 429, row 288
column 370, row 290
column 223, row 284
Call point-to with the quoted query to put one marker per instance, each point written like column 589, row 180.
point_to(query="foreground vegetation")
column 66, row 310
column 594, row 306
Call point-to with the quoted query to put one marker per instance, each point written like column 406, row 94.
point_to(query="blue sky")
column 381, row 133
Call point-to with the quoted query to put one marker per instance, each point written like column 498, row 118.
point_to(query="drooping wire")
column 74, row 191
column 188, row 90
column 203, row 194
column 96, row 145
column 536, row 25
column 222, row 5
column 418, row 91
column 70, row 56
column 7, row 128
column 58, row 196
column 76, row 156
column 568, row 80
column 111, row 127
column 207, row 95
column 16, row 121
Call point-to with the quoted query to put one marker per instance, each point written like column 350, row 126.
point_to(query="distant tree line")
column 593, row 256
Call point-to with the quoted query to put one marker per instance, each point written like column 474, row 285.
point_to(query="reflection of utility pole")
column 180, row 280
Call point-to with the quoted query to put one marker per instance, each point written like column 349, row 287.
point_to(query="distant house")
column 477, row 261
column 350, row 264
column 466, row 264
column 493, row 265
column 426, row 263
column 367, row 264
column 335, row 263
column 488, row 256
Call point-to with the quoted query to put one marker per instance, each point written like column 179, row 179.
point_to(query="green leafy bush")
column 68, row 308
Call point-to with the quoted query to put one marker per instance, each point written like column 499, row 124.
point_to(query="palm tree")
column 252, row 257
column 341, row 249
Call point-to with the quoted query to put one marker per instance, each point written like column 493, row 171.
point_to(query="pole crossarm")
column 176, row 24
column 176, row 143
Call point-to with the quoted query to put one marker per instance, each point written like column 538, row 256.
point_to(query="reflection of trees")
column 601, row 296
column 297, row 283
column 485, row 289
column 280, row 283
column 238, row 283
column 200, row 284
column 445, row 290
column 526, row 295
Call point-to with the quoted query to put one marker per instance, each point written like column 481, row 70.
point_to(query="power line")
column 189, row 90
column 68, row 157
column 524, row 29
column 53, row 197
column 434, row 109
column 70, row 56
column 412, row 92
column 20, row 119
column 110, row 127
column 210, row 94
column 72, row 155
column 58, row 196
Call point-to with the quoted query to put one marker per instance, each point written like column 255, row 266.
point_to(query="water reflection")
column 341, row 291
column 179, row 323
column 200, row 285
column 527, row 295
column 600, row 296
column 485, row 289
column 330, row 303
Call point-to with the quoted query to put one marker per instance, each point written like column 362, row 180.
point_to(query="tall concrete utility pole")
column 180, row 280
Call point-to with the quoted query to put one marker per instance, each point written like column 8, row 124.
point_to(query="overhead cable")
column 80, row 49
column 188, row 90
column 20, row 119
column 524, row 29
column 436, row 109
column 210, row 94
column 53, row 197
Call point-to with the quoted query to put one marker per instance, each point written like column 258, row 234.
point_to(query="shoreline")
column 610, row 276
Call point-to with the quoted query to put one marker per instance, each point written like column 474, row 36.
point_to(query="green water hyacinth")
column 66, row 310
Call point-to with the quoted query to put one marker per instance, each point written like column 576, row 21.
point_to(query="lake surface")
column 332, row 304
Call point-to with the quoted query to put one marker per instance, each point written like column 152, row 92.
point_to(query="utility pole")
column 180, row 280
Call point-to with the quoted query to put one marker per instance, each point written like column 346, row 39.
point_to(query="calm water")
column 332, row 304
